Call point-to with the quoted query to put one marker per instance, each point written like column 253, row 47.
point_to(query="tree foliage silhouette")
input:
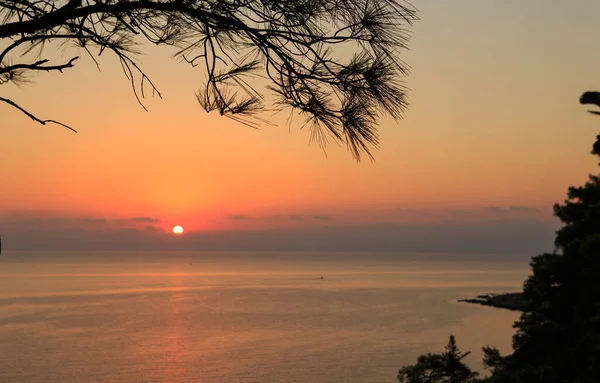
column 558, row 340
column 336, row 62
column 446, row 367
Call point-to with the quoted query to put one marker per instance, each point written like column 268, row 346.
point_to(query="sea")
column 251, row 317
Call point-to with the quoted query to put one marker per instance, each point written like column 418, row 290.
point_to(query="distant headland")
column 509, row 301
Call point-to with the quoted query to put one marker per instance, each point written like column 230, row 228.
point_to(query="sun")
column 178, row 230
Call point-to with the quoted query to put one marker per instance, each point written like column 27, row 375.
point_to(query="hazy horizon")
column 520, row 236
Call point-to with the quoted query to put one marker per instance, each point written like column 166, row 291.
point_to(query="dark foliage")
column 592, row 98
column 446, row 367
column 334, row 61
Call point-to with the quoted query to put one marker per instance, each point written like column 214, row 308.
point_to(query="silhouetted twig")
column 34, row 118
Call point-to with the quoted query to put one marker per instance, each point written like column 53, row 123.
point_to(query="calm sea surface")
column 94, row 317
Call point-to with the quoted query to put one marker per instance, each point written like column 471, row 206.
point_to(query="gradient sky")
column 494, row 134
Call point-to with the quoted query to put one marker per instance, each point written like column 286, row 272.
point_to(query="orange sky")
column 493, row 121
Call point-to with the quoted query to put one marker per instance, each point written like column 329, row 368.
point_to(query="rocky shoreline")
column 509, row 301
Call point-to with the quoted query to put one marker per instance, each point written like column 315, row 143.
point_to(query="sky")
column 493, row 138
